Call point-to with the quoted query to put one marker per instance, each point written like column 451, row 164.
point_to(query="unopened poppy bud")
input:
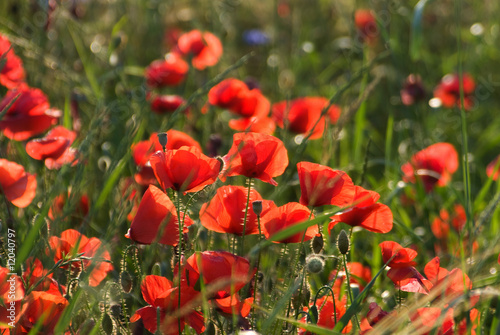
column 257, row 207
column 317, row 243
column 156, row 269
column 126, row 281
column 312, row 316
column 107, row 324
column 343, row 242
column 163, row 139
column 314, row 264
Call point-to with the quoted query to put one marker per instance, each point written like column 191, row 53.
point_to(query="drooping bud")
column 343, row 242
column 314, row 264
column 312, row 316
column 126, row 281
column 257, row 207
column 317, row 243
column 163, row 139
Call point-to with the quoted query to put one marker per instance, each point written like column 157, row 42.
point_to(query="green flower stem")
column 242, row 246
column 349, row 288
column 179, row 256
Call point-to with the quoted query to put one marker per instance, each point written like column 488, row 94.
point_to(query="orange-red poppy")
column 225, row 213
column 237, row 97
column 159, row 292
column 433, row 165
column 255, row 155
column 285, row 216
column 204, row 47
column 402, row 272
column 365, row 21
column 426, row 319
column 45, row 306
column 162, row 104
column 54, row 148
column 72, row 243
column 168, row 72
column 303, row 115
column 11, row 294
column 29, row 115
column 452, row 283
column 156, row 219
column 366, row 213
column 34, row 272
column 18, row 186
column 185, row 169
column 491, row 172
column 234, row 306
column 448, row 90
column 254, row 124
column 327, row 314
column 321, row 185
column 358, row 274
column 12, row 73
column 227, row 273
column 80, row 211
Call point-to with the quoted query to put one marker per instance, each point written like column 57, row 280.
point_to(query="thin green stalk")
column 242, row 246
column 349, row 289
column 256, row 274
column 179, row 256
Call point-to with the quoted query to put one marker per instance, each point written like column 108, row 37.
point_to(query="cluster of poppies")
column 38, row 300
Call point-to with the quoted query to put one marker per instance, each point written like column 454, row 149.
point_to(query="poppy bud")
column 312, row 316
column 116, row 310
column 317, row 243
column 314, row 264
column 156, row 269
column 107, row 324
column 257, row 207
column 163, row 139
column 343, row 242
column 126, row 281
column 210, row 330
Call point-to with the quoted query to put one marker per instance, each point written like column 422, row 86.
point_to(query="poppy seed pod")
column 257, row 207
column 343, row 242
column 163, row 139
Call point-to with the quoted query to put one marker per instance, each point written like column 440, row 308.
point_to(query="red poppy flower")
column 46, row 306
column 452, row 283
column 142, row 151
column 205, row 48
column 235, row 95
column 285, row 216
column 156, row 215
column 321, row 185
column 34, row 272
column 227, row 273
column 327, row 314
column 365, row 21
column 448, row 90
column 12, row 73
column 168, row 72
column 18, row 186
column 434, row 165
column 160, row 293
column 255, row 155
column 301, row 115
column 402, row 273
column 225, row 213
column 72, row 243
column 358, row 274
column 491, row 172
column 366, row 213
column 233, row 305
column 11, row 294
column 413, row 90
column 254, row 124
column 29, row 115
column 426, row 319
column 185, row 169
column 80, row 210
column 54, row 148
column 162, row 104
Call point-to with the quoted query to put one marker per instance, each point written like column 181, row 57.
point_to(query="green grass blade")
column 416, row 38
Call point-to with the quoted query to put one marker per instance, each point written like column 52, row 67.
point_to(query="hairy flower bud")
column 314, row 264
column 317, row 243
column 343, row 242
